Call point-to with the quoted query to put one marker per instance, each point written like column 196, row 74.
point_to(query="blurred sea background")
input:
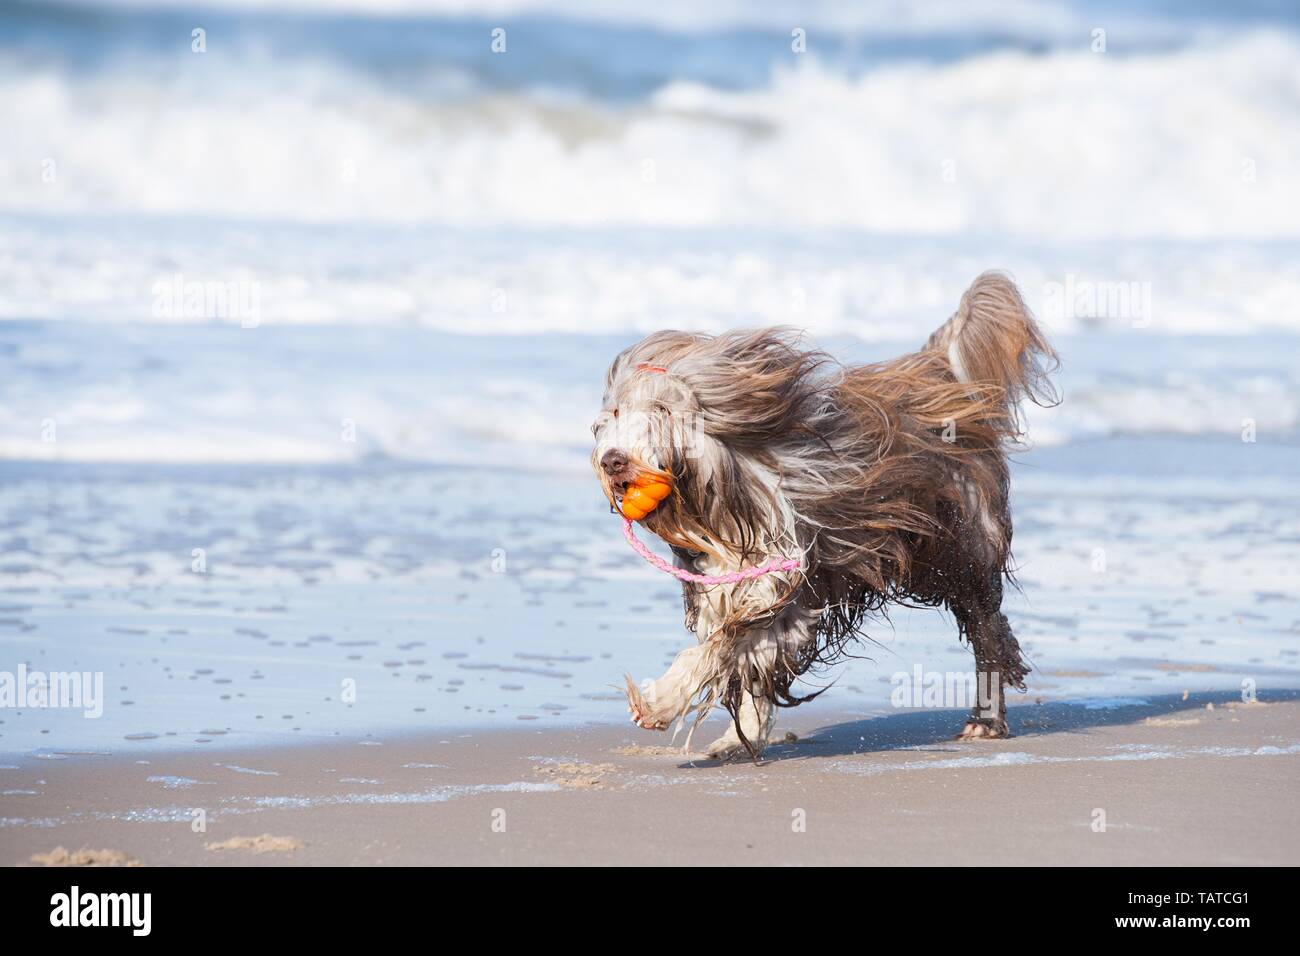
column 301, row 335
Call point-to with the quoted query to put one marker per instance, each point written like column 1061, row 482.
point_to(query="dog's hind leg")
column 998, row 661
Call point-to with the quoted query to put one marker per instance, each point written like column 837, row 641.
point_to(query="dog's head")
column 713, row 417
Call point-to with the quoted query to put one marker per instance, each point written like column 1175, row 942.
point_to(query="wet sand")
column 1179, row 782
column 389, row 599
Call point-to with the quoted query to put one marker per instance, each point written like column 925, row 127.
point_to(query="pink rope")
column 733, row 577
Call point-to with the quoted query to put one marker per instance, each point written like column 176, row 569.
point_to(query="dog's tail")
column 993, row 340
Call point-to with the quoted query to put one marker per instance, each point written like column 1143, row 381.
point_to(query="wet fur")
column 889, row 481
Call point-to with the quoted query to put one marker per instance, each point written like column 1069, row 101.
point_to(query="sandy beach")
column 1202, row 781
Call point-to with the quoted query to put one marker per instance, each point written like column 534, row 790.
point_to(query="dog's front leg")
column 760, row 659
column 657, row 703
column 756, row 715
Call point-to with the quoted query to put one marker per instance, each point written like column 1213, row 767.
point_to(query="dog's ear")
column 753, row 387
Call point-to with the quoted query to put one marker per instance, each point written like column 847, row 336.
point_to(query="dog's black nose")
column 614, row 463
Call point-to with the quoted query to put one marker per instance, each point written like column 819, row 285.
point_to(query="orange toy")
column 644, row 496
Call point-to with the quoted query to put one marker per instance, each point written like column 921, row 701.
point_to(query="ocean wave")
column 216, row 394
column 1194, row 142
column 510, row 281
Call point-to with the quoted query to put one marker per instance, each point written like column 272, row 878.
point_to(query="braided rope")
column 733, row 577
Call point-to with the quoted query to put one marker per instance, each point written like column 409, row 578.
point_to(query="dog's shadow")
column 928, row 728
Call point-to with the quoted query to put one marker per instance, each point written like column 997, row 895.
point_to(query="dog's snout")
column 614, row 463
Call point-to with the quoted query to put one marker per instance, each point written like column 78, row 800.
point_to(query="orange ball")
column 644, row 496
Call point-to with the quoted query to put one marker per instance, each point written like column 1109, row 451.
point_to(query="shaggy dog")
column 887, row 481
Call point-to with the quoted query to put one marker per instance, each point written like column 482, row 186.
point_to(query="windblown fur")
column 889, row 481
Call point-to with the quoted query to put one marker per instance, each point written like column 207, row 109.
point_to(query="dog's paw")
column 642, row 714
column 983, row 728
column 726, row 748
column 730, row 747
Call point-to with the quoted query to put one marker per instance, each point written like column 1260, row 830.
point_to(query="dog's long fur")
column 889, row 481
